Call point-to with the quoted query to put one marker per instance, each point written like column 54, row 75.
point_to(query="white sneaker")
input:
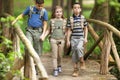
column 59, row 69
column 55, row 72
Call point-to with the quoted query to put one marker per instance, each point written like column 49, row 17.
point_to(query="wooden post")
column 117, row 59
column 29, row 67
column 105, row 55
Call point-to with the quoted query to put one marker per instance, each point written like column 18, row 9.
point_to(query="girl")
column 57, row 38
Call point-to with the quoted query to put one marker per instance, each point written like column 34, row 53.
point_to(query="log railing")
column 97, row 39
column 19, row 63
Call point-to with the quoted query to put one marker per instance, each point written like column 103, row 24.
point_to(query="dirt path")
column 91, row 72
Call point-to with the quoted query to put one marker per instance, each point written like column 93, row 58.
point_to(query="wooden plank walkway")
column 90, row 73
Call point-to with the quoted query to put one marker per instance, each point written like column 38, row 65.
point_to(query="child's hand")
column 85, row 41
column 42, row 38
column 68, row 44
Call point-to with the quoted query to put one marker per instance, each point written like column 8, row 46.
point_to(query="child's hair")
column 39, row 1
column 53, row 11
column 75, row 3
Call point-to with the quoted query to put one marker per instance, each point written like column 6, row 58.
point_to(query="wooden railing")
column 19, row 63
column 104, row 59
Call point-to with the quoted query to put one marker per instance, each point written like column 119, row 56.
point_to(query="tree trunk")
column 54, row 3
column 1, row 7
column 62, row 3
column 69, row 8
column 8, row 6
column 98, row 14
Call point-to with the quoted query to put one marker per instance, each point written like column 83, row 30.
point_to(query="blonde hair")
column 53, row 11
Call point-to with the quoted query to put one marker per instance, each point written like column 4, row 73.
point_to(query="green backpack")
column 57, row 28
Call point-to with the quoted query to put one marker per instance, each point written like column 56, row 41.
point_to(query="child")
column 77, row 34
column 57, row 36
column 37, row 25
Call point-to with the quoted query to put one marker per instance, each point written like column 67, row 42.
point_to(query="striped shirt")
column 77, row 30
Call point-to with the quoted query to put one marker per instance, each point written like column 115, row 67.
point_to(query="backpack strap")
column 42, row 13
column 71, row 22
column 52, row 25
column 82, row 21
column 32, row 12
column 64, row 24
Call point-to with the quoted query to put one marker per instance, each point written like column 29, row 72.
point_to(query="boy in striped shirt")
column 77, row 36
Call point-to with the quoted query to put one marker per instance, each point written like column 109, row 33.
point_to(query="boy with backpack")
column 77, row 36
column 37, row 25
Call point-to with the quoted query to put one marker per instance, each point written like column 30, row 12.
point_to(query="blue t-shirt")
column 34, row 20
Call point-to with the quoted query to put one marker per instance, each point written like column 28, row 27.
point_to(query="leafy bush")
column 6, row 59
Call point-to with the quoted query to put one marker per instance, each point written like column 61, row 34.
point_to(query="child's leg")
column 82, row 63
column 54, row 56
column 60, row 52
column 76, row 70
column 75, row 64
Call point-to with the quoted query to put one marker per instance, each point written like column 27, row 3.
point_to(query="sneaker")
column 55, row 72
column 82, row 65
column 59, row 69
column 75, row 72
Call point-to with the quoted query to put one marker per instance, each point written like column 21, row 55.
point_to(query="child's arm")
column 46, row 34
column 85, row 34
column 44, row 30
column 19, row 17
column 68, row 36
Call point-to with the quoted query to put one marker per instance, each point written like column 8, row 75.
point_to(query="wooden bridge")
column 92, row 71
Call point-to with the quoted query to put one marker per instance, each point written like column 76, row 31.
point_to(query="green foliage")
column 46, row 45
column 91, row 43
column 5, row 42
column 6, row 61
column 100, row 1
column 114, row 71
column 7, row 19
column 116, row 4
